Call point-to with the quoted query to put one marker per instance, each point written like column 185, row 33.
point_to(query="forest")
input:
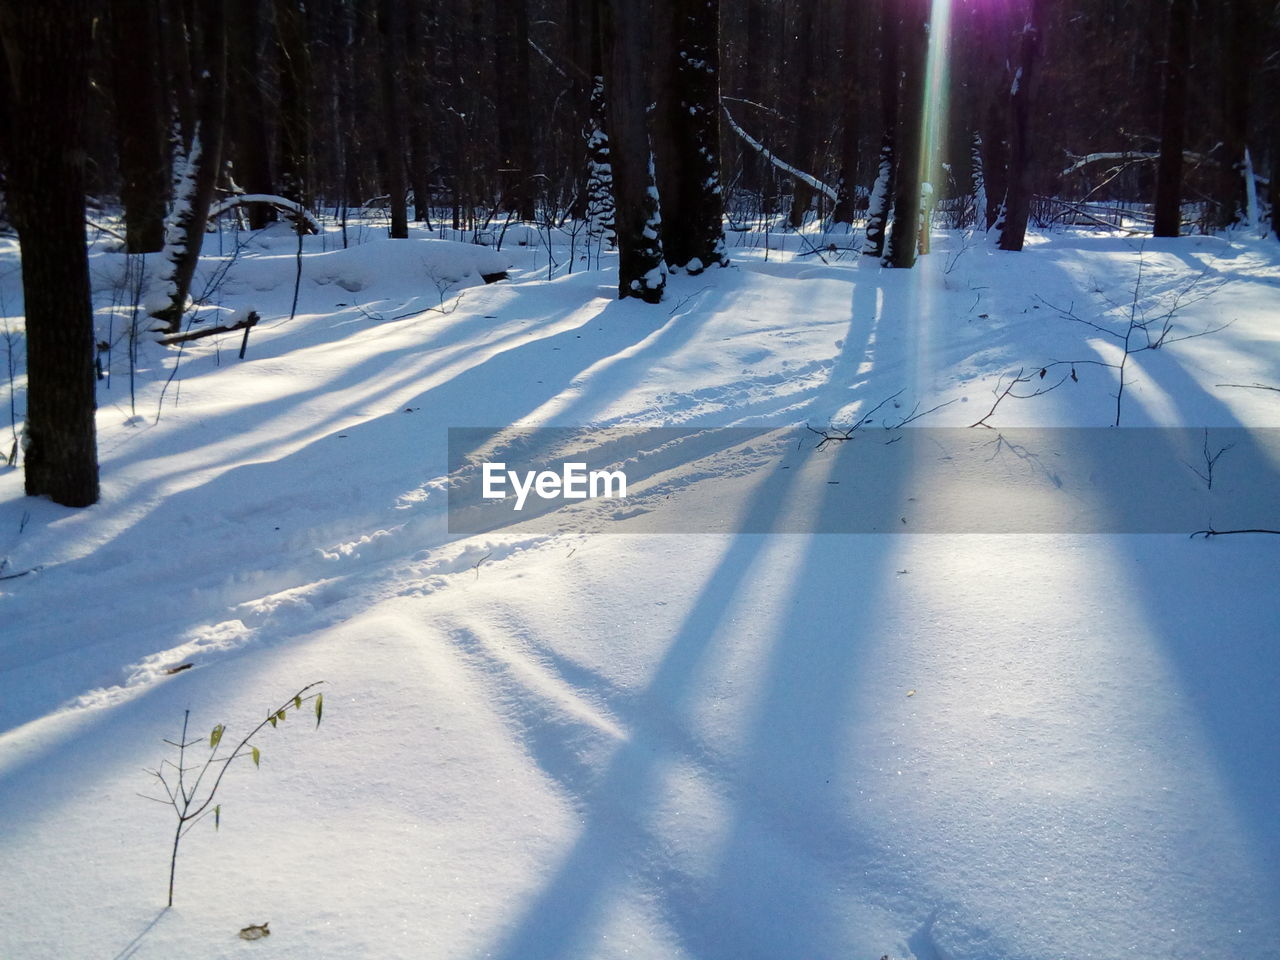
column 891, row 115
column 665, row 479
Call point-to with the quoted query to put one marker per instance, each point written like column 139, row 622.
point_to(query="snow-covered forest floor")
column 581, row 745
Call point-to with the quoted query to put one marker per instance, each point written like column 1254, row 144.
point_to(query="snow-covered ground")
column 592, row 744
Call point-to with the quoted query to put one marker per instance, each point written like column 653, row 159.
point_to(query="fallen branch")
column 781, row 164
column 1249, row 386
column 1223, row 533
column 245, row 324
column 281, row 203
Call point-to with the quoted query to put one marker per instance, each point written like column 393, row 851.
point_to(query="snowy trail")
column 578, row 745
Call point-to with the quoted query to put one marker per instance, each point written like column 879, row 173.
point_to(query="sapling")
column 193, row 800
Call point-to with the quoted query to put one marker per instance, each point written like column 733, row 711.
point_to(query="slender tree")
column 390, row 28
column 44, row 75
column 904, row 236
column 599, row 209
column 803, row 94
column 249, row 145
column 295, row 112
column 850, row 144
column 140, row 123
column 513, row 107
column 1017, row 205
column 882, row 191
column 688, row 137
column 1238, row 54
column 196, row 171
column 1168, row 210
column 642, row 270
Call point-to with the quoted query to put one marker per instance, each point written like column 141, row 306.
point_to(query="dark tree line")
column 654, row 121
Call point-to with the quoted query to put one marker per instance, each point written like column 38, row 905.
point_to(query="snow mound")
column 436, row 261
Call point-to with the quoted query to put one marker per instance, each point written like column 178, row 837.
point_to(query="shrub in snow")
column 192, row 797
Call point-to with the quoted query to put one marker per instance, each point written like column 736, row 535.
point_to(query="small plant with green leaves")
column 190, row 788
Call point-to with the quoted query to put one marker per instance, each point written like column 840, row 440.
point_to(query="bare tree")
column 197, row 170
column 140, row 126
column 688, row 136
column 44, row 88
column 642, row 270
column 1017, row 204
column 905, row 234
column 1173, row 121
column 390, row 28
column 882, row 191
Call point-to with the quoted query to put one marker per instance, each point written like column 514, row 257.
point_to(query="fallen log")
column 248, row 322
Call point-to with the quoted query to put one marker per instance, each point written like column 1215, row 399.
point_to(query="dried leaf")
column 255, row 931
column 257, row 756
column 319, row 707
column 215, row 737
column 217, row 816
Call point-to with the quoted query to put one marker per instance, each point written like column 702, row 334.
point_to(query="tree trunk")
column 1017, row 206
column 514, row 112
column 421, row 46
column 846, row 200
column 44, row 76
column 193, row 192
column 140, row 127
column 390, row 27
column 905, row 233
column 1168, row 210
column 599, row 189
column 295, row 96
column 642, row 271
column 246, row 108
column 688, row 137
column 883, row 189
column 804, row 94
column 1237, row 69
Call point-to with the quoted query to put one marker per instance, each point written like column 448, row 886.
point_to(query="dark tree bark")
column 803, row 95
column 1238, row 66
column 688, row 137
column 44, row 74
column 420, row 39
column 599, row 210
column 1017, row 205
column 1273, row 194
column 193, row 193
column 390, row 28
column 246, row 108
column 141, row 137
column 177, row 35
column 295, row 96
column 846, row 202
column 904, row 235
column 1168, row 212
column 642, row 271
column 883, row 190
column 514, row 113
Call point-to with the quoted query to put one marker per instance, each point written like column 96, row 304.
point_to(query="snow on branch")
column 239, row 199
column 1137, row 156
column 776, row 161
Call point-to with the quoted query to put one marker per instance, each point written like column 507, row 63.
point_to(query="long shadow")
column 228, row 516
column 133, row 945
column 615, row 843
column 1211, row 619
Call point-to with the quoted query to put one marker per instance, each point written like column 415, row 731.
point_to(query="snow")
column 605, row 744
